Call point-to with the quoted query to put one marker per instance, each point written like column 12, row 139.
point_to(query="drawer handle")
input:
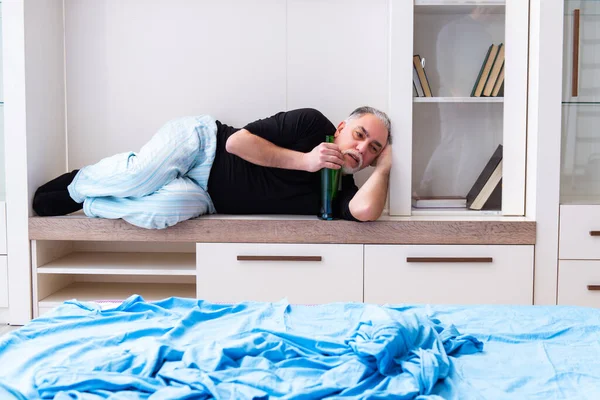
column 449, row 259
column 279, row 258
column 593, row 287
column 594, row 233
column 575, row 58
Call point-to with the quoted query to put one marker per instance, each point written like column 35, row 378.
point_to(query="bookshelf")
column 453, row 134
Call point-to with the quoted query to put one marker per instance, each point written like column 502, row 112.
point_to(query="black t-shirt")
column 237, row 186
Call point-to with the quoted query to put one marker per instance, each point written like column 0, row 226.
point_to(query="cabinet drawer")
column 579, row 283
column 3, row 282
column 449, row 274
column 302, row 273
column 579, row 232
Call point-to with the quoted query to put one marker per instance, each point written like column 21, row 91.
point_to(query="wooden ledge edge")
column 288, row 231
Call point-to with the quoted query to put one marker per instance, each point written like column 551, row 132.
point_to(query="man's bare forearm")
column 259, row 151
column 368, row 203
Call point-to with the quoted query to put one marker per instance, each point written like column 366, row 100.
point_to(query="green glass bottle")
column 330, row 182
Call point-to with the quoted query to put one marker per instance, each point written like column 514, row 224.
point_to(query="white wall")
column 34, row 103
column 45, row 91
column 130, row 68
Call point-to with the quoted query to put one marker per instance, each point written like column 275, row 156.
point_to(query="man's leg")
column 179, row 200
column 170, row 153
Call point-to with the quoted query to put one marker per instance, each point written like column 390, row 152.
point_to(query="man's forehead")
column 372, row 126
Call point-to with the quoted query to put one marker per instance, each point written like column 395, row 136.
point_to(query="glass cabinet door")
column 580, row 151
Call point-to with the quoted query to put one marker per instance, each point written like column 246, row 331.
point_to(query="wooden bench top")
column 278, row 229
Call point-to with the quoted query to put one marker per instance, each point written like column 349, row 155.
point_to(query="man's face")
column 360, row 141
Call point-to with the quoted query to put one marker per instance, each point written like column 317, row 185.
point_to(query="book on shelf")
column 417, row 85
column 495, row 72
column 490, row 70
column 499, row 85
column 488, row 188
column 439, row 202
column 421, row 82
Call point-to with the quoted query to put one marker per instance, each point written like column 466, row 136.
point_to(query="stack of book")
column 486, row 192
column 490, row 81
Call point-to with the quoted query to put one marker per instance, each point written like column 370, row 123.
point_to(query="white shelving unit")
column 99, row 271
column 89, row 80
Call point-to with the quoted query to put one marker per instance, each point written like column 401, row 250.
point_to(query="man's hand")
column 384, row 160
column 325, row 155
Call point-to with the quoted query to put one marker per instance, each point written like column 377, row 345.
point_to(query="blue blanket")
column 181, row 348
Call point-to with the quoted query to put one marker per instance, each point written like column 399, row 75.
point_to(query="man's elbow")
column 232, row 145
column 365, row 213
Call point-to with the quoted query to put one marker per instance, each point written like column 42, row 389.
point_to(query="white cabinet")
column 449, row 274
column 579, row 255
column 579, row 232
column 579, row 283
column 302, row 273
column 3, row 258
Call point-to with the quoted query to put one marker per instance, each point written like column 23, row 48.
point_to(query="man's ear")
column 340, row 126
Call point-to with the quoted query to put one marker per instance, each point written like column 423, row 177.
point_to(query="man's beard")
column 348, row 170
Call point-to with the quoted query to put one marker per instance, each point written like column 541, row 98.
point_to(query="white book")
column 439, row 202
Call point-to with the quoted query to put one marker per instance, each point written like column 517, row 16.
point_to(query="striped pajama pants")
column 166, row 182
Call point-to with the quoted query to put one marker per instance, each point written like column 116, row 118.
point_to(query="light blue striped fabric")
column 163, row 184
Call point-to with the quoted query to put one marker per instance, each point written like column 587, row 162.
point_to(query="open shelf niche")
column 110, row 271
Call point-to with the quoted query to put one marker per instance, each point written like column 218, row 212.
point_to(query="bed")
column 182, row 349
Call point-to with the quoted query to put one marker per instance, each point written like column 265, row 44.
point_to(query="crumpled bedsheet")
column 183, row 349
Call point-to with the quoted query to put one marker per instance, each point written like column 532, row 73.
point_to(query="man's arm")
column 259, row 151
column 368, row 203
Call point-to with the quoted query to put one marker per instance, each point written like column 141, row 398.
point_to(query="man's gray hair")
column 360, row 111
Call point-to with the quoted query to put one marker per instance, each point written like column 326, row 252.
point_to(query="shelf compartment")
column 109, row 263
column 458, row 6
column 458, row 99
column 103, row 291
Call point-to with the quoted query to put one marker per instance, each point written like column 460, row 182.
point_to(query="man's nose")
column 361, row 147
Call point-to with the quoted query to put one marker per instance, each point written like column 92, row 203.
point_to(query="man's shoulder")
column 310, row 117
column 307, row 111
